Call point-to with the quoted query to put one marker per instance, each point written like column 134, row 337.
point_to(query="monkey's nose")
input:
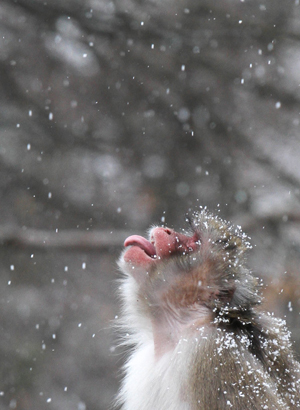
column 168, row 242
column 161, row 231
column 164, row 240
column 158, row 234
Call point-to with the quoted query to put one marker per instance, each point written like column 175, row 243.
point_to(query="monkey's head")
column 188, row 277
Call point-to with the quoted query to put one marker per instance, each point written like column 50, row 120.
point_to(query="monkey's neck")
column 168, row 329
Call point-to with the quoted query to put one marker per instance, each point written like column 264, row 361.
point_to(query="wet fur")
column 228, row 353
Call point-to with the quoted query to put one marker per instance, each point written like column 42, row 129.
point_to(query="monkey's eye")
column 228, row 243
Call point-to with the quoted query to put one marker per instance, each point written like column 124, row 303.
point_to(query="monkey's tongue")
column 136, row 240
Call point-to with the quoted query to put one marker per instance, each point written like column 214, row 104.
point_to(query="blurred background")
column 115, row 115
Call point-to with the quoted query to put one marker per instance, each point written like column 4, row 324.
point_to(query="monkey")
column 192, row 320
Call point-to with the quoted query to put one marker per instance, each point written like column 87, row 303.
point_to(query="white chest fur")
column 149, row 381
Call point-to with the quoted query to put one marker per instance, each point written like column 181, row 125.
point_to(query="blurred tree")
column 118, row 114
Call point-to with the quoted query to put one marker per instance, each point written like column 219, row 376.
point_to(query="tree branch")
column 72, row 239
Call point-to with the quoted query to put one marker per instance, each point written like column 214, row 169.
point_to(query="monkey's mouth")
column 142, row 243
column 163, row 243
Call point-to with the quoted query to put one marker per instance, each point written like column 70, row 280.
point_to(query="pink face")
column 163, row 243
